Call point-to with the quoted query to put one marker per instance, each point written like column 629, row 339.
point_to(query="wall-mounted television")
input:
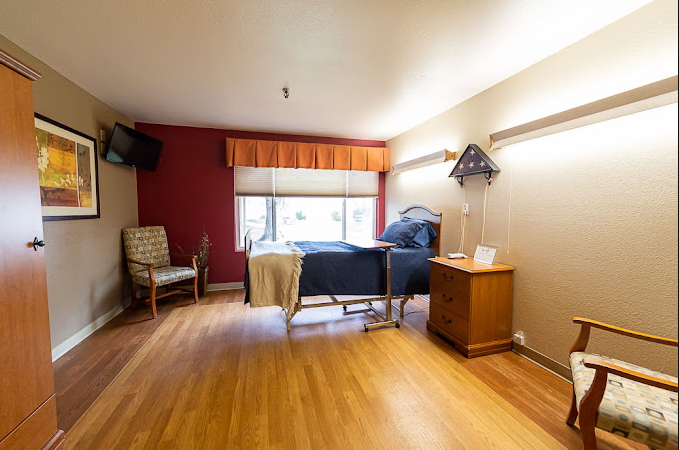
column 133, row 148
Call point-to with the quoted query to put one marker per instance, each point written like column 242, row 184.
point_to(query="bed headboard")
column 421, row 212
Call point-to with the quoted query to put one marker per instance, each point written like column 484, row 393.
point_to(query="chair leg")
column 195, row 288
column 588, row 437
column 589, row 408
column 573, row 413
column 134, row 294
column 153, row 300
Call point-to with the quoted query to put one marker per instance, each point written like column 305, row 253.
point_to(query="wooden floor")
column 83, row 373
column 222, row 375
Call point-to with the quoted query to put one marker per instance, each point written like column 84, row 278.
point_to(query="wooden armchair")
column 619, row 397
column 148, row 260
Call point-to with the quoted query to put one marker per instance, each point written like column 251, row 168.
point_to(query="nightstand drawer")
column 449, row 322
column 452, row 301
column 449, row 280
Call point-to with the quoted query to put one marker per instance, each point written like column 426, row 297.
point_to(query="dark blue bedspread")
column 335, row 268
column 340, row 269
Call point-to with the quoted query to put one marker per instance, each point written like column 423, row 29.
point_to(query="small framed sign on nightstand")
column 485, row 254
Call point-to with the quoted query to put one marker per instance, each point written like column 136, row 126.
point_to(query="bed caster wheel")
column 398, row 325
column 366, row 329
column 344, row 307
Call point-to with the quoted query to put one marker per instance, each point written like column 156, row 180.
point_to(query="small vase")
column 202, row 281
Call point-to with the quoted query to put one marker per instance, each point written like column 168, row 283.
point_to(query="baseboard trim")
column 225, row 286
column 543, row 361
column 61, row 349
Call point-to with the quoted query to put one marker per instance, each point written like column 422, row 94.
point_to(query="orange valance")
column 257, row 153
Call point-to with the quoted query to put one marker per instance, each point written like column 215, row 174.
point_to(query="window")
column 306, row 218
column 252, row 217
column 309, row 218
column 305, row 204
column 361, row 218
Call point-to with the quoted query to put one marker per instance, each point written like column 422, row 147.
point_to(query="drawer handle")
column 445, row 321
column 448, row 277
column 446, row 299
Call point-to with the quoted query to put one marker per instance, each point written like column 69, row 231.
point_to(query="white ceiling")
column 366, row 69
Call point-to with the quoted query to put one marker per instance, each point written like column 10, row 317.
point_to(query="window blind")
column 254, row 181
column 310, row 182
column 270, row 182
column 362, row 184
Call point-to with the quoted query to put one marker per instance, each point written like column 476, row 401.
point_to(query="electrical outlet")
column 465, row 209
column 520, row 338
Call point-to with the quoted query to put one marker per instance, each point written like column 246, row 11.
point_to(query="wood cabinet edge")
column 11, row 62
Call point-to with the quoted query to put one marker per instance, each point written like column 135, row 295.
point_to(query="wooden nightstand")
column 471, row 305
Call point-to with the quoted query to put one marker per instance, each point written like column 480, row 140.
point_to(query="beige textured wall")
column 84, row 257
column 588, row 216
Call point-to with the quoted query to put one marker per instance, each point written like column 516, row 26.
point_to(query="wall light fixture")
column 427, row 160
column 652, row 95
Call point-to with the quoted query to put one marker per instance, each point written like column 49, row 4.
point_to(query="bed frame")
column 418, row 212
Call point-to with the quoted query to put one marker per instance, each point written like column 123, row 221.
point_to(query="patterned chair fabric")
column 149, row 245
column 639, row 412
column 164, row 275
column 146, row 244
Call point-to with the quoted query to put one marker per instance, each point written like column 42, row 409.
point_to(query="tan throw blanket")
column 274, row 269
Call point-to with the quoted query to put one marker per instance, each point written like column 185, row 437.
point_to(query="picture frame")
column 68, row 171
column 485, row 254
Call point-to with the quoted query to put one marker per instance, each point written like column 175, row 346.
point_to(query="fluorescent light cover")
column 652, row 95
column 427, row 160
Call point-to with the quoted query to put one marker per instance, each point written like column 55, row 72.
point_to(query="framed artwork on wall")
column 67, row 171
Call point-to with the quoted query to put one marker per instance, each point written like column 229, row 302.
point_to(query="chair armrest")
column 633, row 375
column 624, row 332
column 139, row 262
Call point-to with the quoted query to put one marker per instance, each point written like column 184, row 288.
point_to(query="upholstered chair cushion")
column 164, row 275
column 639, row 412
column 148, row 245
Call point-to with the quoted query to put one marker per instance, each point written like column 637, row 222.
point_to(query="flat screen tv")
column 134, row 148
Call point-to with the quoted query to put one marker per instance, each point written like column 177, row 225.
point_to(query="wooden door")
column 26, row 378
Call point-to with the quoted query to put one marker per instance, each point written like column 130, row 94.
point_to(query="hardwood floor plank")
column 537, row 393
column 174, row 375
column 85, row 371
column 223, row 375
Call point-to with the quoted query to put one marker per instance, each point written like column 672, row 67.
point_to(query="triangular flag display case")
column 473, row 162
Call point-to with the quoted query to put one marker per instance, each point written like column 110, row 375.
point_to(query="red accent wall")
column 192, row 189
